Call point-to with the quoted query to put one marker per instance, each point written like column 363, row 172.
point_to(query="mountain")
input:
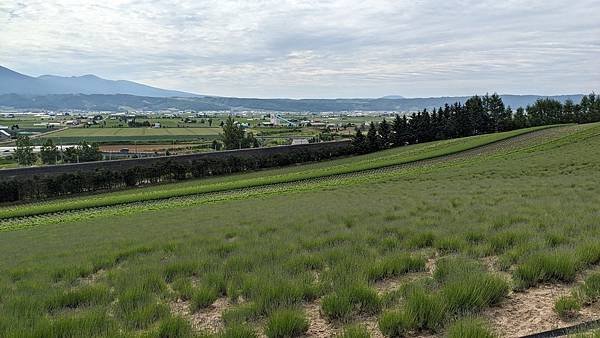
column 12, row 82
column 393, row 97
column 122, row 102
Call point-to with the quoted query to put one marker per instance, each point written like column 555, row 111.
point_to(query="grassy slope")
column 514, row 207
column 290, row 174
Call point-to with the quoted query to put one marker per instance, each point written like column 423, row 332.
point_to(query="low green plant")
column 355, row 331
column 84, row 296
column 473, row 292
column 548, row 267
column 470, row 328
column 174, row 327
column 424, row 311
column 567, row 306
column 238, row 331
column 352, row 300
column 286, row 323
column 395, row 323
column 202, row 297
column 395, row 266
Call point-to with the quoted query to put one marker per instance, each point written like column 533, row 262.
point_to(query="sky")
column 312, row 48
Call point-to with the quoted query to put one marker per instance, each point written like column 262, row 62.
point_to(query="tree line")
column 51, row 154
column 478, row 115
column 169, row 170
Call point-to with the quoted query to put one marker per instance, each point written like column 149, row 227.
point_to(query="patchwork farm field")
column 107, row 135
column 491, row 235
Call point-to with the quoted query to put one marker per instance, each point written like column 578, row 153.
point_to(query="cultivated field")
column 489, row 234
column 108, row 135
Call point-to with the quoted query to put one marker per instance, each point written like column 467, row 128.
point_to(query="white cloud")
column 334, row 48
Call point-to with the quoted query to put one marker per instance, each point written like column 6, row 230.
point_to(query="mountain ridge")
column 12, row 82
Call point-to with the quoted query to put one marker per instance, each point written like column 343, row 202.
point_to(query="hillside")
column 125, row 102
column 503, row 232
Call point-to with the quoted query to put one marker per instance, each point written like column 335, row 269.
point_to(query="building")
column 4, row 135
column 296, row 141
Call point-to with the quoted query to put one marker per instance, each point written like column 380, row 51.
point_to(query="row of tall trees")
column 478, row 115
column 164, row 170
column 50, row 154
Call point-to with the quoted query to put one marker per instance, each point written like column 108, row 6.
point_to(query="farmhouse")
column 4, row 134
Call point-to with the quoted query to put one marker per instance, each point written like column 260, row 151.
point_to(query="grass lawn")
column 402, row 254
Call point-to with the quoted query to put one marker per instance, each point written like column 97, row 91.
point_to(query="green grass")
column 566, row 307
column 272, row 252
column 348, row 165
column 286, row 323
column 470, row 328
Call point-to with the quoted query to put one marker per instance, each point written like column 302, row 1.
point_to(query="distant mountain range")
column 89, row 92
column 12, row 82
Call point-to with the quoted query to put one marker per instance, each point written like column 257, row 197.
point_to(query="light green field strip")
column 349, row 165
column 108, row 132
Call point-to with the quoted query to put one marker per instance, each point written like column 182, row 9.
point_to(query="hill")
column 131, row 102
column 12, row 82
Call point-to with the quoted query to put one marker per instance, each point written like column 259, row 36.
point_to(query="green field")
column 112, row 135
column 390, row 157
column 478, row 243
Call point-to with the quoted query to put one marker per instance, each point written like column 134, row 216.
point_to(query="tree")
column 232, row 134
column 401, row 131
column 210, row 120
column 49, row 152
column 520, row 119
column 384, row 131
column 24, row 151
column 359, row 142
column 373, row 142
column 89, row 152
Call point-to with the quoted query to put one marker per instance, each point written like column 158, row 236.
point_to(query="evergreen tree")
column 359, row 142
column 384, row 131
column 24, row 151
column 372, row 138
column 520, row 119
column 49, row 152
column 232, row 134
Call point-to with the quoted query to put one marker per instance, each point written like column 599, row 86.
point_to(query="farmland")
column 115, row 135
column 483, row 234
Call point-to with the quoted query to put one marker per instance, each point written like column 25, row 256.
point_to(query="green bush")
column 395, row 324
column 449, row 268
column 351, row 300
column 470, row 328
column 286, row 323
column 202, row 297
column 238, row 331
column 85, row 296
column 355, row 331
column 175, row 327
column 395, row 266
column 550, row 267
column 424, row 311
column 449, row 244
column 473, row 292
column 589, row 291
column 183, row 288
column 421, row 240
column 567, row 306
column 588, row 254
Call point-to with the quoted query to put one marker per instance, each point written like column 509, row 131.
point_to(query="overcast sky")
column 316, row 48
